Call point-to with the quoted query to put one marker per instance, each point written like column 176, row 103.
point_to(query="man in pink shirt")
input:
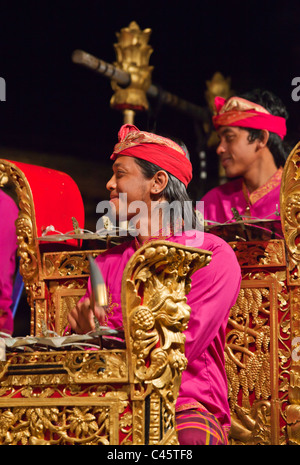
column 8, row 248
column 151, row 168
column 252, row 152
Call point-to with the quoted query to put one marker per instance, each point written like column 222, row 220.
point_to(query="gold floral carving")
column 64, row 425
column 59, row 421
column 258, row 352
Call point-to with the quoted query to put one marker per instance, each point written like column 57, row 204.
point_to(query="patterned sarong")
column 199, row 427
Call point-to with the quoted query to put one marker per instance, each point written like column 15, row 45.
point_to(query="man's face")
column 128, row 179
column 238, row 156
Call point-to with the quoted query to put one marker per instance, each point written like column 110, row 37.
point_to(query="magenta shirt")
column 8, row 248
column 214, row 291
column 262, row 203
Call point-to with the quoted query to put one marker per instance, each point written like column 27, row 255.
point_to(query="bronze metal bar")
column 123, row 79
column 89, row 61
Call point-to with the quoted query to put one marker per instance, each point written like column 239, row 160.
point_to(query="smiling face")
column 128, row 179
column 238, row 155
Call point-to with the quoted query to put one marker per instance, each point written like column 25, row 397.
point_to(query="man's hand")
column 81, row 317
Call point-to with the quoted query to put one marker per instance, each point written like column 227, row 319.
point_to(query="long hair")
column 273, row 105
column 174, row 193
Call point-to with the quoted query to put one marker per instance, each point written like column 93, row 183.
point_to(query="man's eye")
column 119, row 174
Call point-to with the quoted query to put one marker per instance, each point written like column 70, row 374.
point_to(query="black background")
column 53, row 105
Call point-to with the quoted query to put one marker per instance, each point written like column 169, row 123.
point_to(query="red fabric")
column 56, row 197
column 156, row 149
column 125, row 130
column 248, row 119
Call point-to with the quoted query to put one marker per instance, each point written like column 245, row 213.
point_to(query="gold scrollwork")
column 257, row 358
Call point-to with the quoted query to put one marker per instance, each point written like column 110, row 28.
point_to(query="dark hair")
column 273, row 105
column 175, row 191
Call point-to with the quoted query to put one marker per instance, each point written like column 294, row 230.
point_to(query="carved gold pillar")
column 133, row 54
column 290, row 218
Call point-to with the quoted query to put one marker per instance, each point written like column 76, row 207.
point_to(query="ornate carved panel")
column 65, row 398
column 258, row 354
column 290, row 219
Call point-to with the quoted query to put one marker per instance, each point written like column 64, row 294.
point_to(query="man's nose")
column 111, row 184
column 220, row 149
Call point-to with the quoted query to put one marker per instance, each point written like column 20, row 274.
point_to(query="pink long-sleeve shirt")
column 263, row 203
column 213, row 292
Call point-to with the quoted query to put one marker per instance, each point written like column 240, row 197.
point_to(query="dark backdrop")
column 54, row 106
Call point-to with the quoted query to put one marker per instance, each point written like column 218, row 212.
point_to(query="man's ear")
column 263, row 138
column 159, row 182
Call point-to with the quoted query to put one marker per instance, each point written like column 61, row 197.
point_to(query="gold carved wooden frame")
column 290, row 219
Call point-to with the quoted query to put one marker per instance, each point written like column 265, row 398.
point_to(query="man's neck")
column 161, row 234
column 152, row 226
column 260, row 174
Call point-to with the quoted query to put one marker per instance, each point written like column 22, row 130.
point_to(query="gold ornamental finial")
column 133, row 54
column 218, row 86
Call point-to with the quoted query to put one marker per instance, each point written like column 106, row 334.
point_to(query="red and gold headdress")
column 156, row 149
column 237, row 111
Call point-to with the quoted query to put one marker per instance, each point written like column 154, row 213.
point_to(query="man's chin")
column 231, row 174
